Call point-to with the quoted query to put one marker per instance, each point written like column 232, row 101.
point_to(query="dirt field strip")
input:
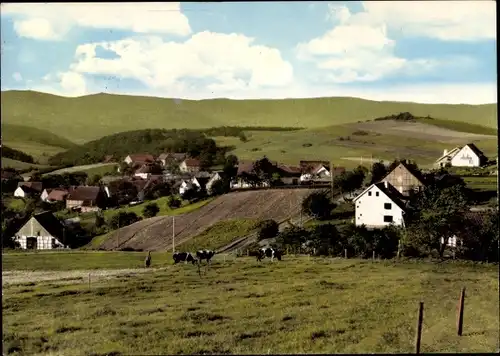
column 156, row 235
column 67, row 277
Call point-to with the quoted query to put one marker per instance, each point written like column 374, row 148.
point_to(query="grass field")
column 341, row 143
column 482, row 183
column 89, row 117
column 220, row 234
column 30, row 139
column 91, row 169
column 12, row 163
column 240, row 306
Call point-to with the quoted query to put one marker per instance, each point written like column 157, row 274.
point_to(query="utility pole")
column 173, row 234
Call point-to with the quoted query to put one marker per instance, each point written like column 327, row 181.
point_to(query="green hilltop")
column 89, row 117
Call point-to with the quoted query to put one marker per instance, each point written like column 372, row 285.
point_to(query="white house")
column 320, row 171
column 466, row 156
column 378, row 206
column 217, row 176
column 42, row 231
column 185, row 186
column 25, row 189
column 469, row 156
column 45, row 194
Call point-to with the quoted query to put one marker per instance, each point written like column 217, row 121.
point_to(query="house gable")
column 379, row 206
column 403, row 179
column 468, row 156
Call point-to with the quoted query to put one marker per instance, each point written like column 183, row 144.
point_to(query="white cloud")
column 63, row 83
column 227, row 61
column 445, row 20
column 358, row 47
column 52, row 21
column 17, row 76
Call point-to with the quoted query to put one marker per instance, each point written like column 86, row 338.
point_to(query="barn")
column 42, row 231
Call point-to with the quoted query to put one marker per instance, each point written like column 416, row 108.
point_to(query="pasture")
column 358, row 143
column 298, row 305
column 12, row 163
column 91, row 169
column 90, row 117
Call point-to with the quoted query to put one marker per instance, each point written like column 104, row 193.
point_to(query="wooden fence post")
column 89, row 280
column 373, row 255
column 345, row 253
column 460, row 316
column 418, row 336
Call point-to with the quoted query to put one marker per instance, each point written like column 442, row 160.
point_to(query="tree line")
column 8, row 152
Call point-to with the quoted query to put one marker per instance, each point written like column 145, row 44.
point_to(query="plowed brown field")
column 155, row 234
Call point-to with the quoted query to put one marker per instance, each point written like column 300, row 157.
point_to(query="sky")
column 420, row 51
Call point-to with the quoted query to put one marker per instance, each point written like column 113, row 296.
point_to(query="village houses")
column 405, row 179
column 85, row 198
column 28, row 189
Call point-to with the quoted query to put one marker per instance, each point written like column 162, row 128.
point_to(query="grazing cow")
column 147, row 261
column 184, row 257
column 268, row 252
column 205, row 255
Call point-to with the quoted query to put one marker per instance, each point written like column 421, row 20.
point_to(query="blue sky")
column 427, row 52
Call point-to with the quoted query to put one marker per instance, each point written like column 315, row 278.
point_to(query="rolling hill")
column 352, row 144
column 34, row 141
column 89, row 117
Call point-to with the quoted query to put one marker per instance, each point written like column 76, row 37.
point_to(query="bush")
column 174, row 203
column 317, row 204
column 122, row 219
column 150, row 210
column 267, row 229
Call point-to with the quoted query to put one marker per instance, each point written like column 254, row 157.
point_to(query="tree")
column 437, row 214
column 220, row 187
column 267, row 229
column 157, row 191
column 174, row 203
column 378, row 171
column 125, row 192
column 276, row 180
column 242, row 137
column 480, row 236
column 349, row 181
column 264, row 169
column 317, row 204
column 94, row 180
column 173, row 168
column 326, row 240
column 150, row 210
column 192, row 194
column 122, row 219
column 292, row 237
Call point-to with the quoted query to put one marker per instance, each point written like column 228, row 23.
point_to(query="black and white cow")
column 205, row 255
column 268, row 252
column 184, row 257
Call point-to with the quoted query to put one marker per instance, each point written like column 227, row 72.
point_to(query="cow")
column 184, row 257
column 205, row 255
column 268, row 252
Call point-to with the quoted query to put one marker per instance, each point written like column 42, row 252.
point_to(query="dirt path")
column 66, row 277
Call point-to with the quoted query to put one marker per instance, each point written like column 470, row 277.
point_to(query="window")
column 369, row 194
column 376, row 193
column 387, row 206
column 388, row 218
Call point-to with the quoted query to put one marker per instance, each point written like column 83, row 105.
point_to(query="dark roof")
column 34, row 186
column 202, row 180
column 84, row 193
column 192, row 162
column 413, row 171
column 145, row 168
column 245, row 167
column 50, row 223
column 287, row 170
column 476, row 150
column 141, row 157
column 392, row 193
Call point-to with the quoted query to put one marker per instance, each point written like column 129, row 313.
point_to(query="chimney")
column 445, row 152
